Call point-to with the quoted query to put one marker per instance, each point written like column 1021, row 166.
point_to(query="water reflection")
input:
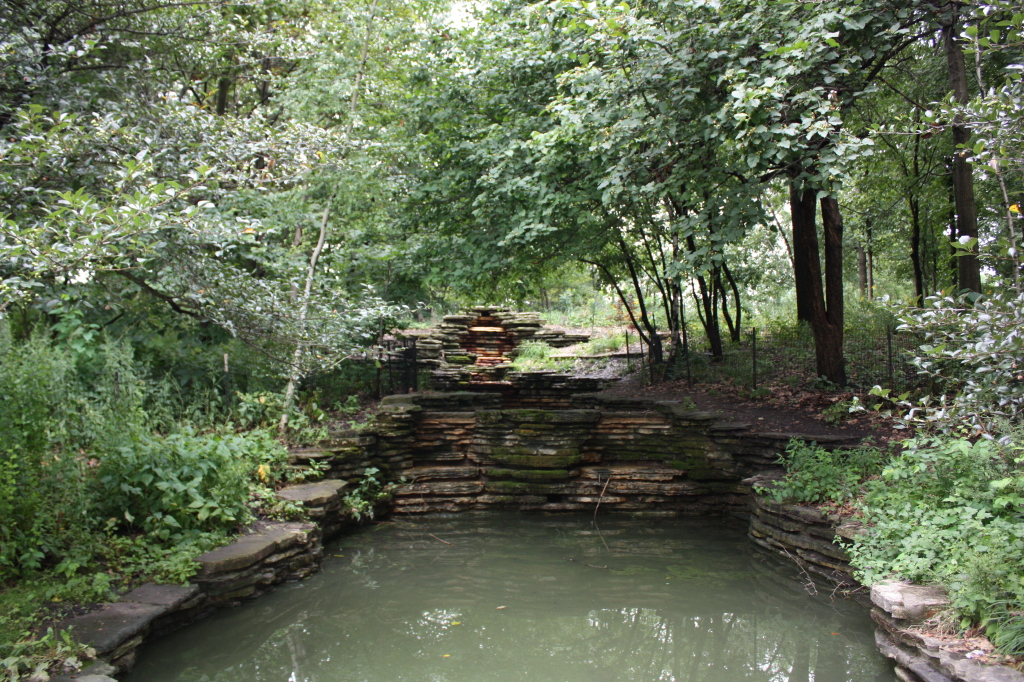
column 538, row 598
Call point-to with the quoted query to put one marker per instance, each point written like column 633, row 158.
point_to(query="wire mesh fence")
column 385, row 369
column 874, row 356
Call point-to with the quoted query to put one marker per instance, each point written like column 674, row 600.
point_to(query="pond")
column 507, row 597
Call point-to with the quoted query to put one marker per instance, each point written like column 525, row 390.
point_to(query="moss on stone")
column 535, row 461
column 529, row 474
column 521, row 488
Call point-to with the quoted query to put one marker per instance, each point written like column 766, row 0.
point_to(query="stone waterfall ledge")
column 245, row 569
column 487, row 450
column 921, row 657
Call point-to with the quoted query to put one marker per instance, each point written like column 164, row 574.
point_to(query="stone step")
column 318, row 494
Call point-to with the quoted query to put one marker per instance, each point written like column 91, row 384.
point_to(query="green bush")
column 370, row 491
column 183, row 482
column 605, row 344
column 34, row 483
column 817, row 475
column 532, row 356
column 948, row 511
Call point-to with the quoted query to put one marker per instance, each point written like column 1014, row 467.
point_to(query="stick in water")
column 598, row 505
column 439, row 539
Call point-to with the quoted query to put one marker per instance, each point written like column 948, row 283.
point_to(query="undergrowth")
column 534, row 356
column 940, row 509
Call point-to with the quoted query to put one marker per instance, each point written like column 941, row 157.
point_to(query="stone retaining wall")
column 804, row 535
column 467, row 450
column 919, row 657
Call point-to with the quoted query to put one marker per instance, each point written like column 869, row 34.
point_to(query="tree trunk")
column 829, row 328
column 657, row 356
column 915, row 221
column 862, row 271
column 709, row 320
column 223, row 88
column 825, row 302
column 295, row 372
column 871, row 261
column 736, row 298
column 915, row 248
column 802, row 210
column 969, row 269
column 720, row 288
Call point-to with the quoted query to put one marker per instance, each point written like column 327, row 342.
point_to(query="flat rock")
column 973, row 671
column 246, row 550
column 312, row 494
column 106, row 628
column 906, row 601
column 100, row 671
column 171, row 596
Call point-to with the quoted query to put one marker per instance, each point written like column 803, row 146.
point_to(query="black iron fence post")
column 629, row 360
column 377, row 363
column 412, row 366
column 753, row 357
column 888, row 356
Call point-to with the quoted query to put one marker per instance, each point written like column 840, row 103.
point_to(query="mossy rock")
column 459, row 360
column 522, row 488
column 531, row 430
column 530, row 458
column 540, row 461
column 528, row 474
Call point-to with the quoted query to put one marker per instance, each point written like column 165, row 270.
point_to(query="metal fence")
column 381, row 370
column 385, row 369
column 874, row 356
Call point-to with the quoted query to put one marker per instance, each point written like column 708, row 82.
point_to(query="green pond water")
column 540, row 598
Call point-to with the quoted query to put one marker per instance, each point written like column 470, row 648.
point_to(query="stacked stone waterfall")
column 476, row 346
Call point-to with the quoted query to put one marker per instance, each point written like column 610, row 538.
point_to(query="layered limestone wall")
column 477, row 345
column 465, row 450
column 539, row 447
column 804, row 535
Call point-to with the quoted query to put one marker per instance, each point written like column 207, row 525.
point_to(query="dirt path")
column 784, row 410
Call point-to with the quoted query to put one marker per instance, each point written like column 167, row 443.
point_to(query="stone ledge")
column 113, row 624
column 923, row 658
column 245, row 551
column 312, row 494
column 908, row 602
column 170, row 596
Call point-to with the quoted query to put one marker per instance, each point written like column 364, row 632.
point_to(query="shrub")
column 34, row 386
column 605, row 344
column 370, row 491
column 532, row 356
column 949, row 511
column 817, row 475
column 167, row 485
column 973, row 344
